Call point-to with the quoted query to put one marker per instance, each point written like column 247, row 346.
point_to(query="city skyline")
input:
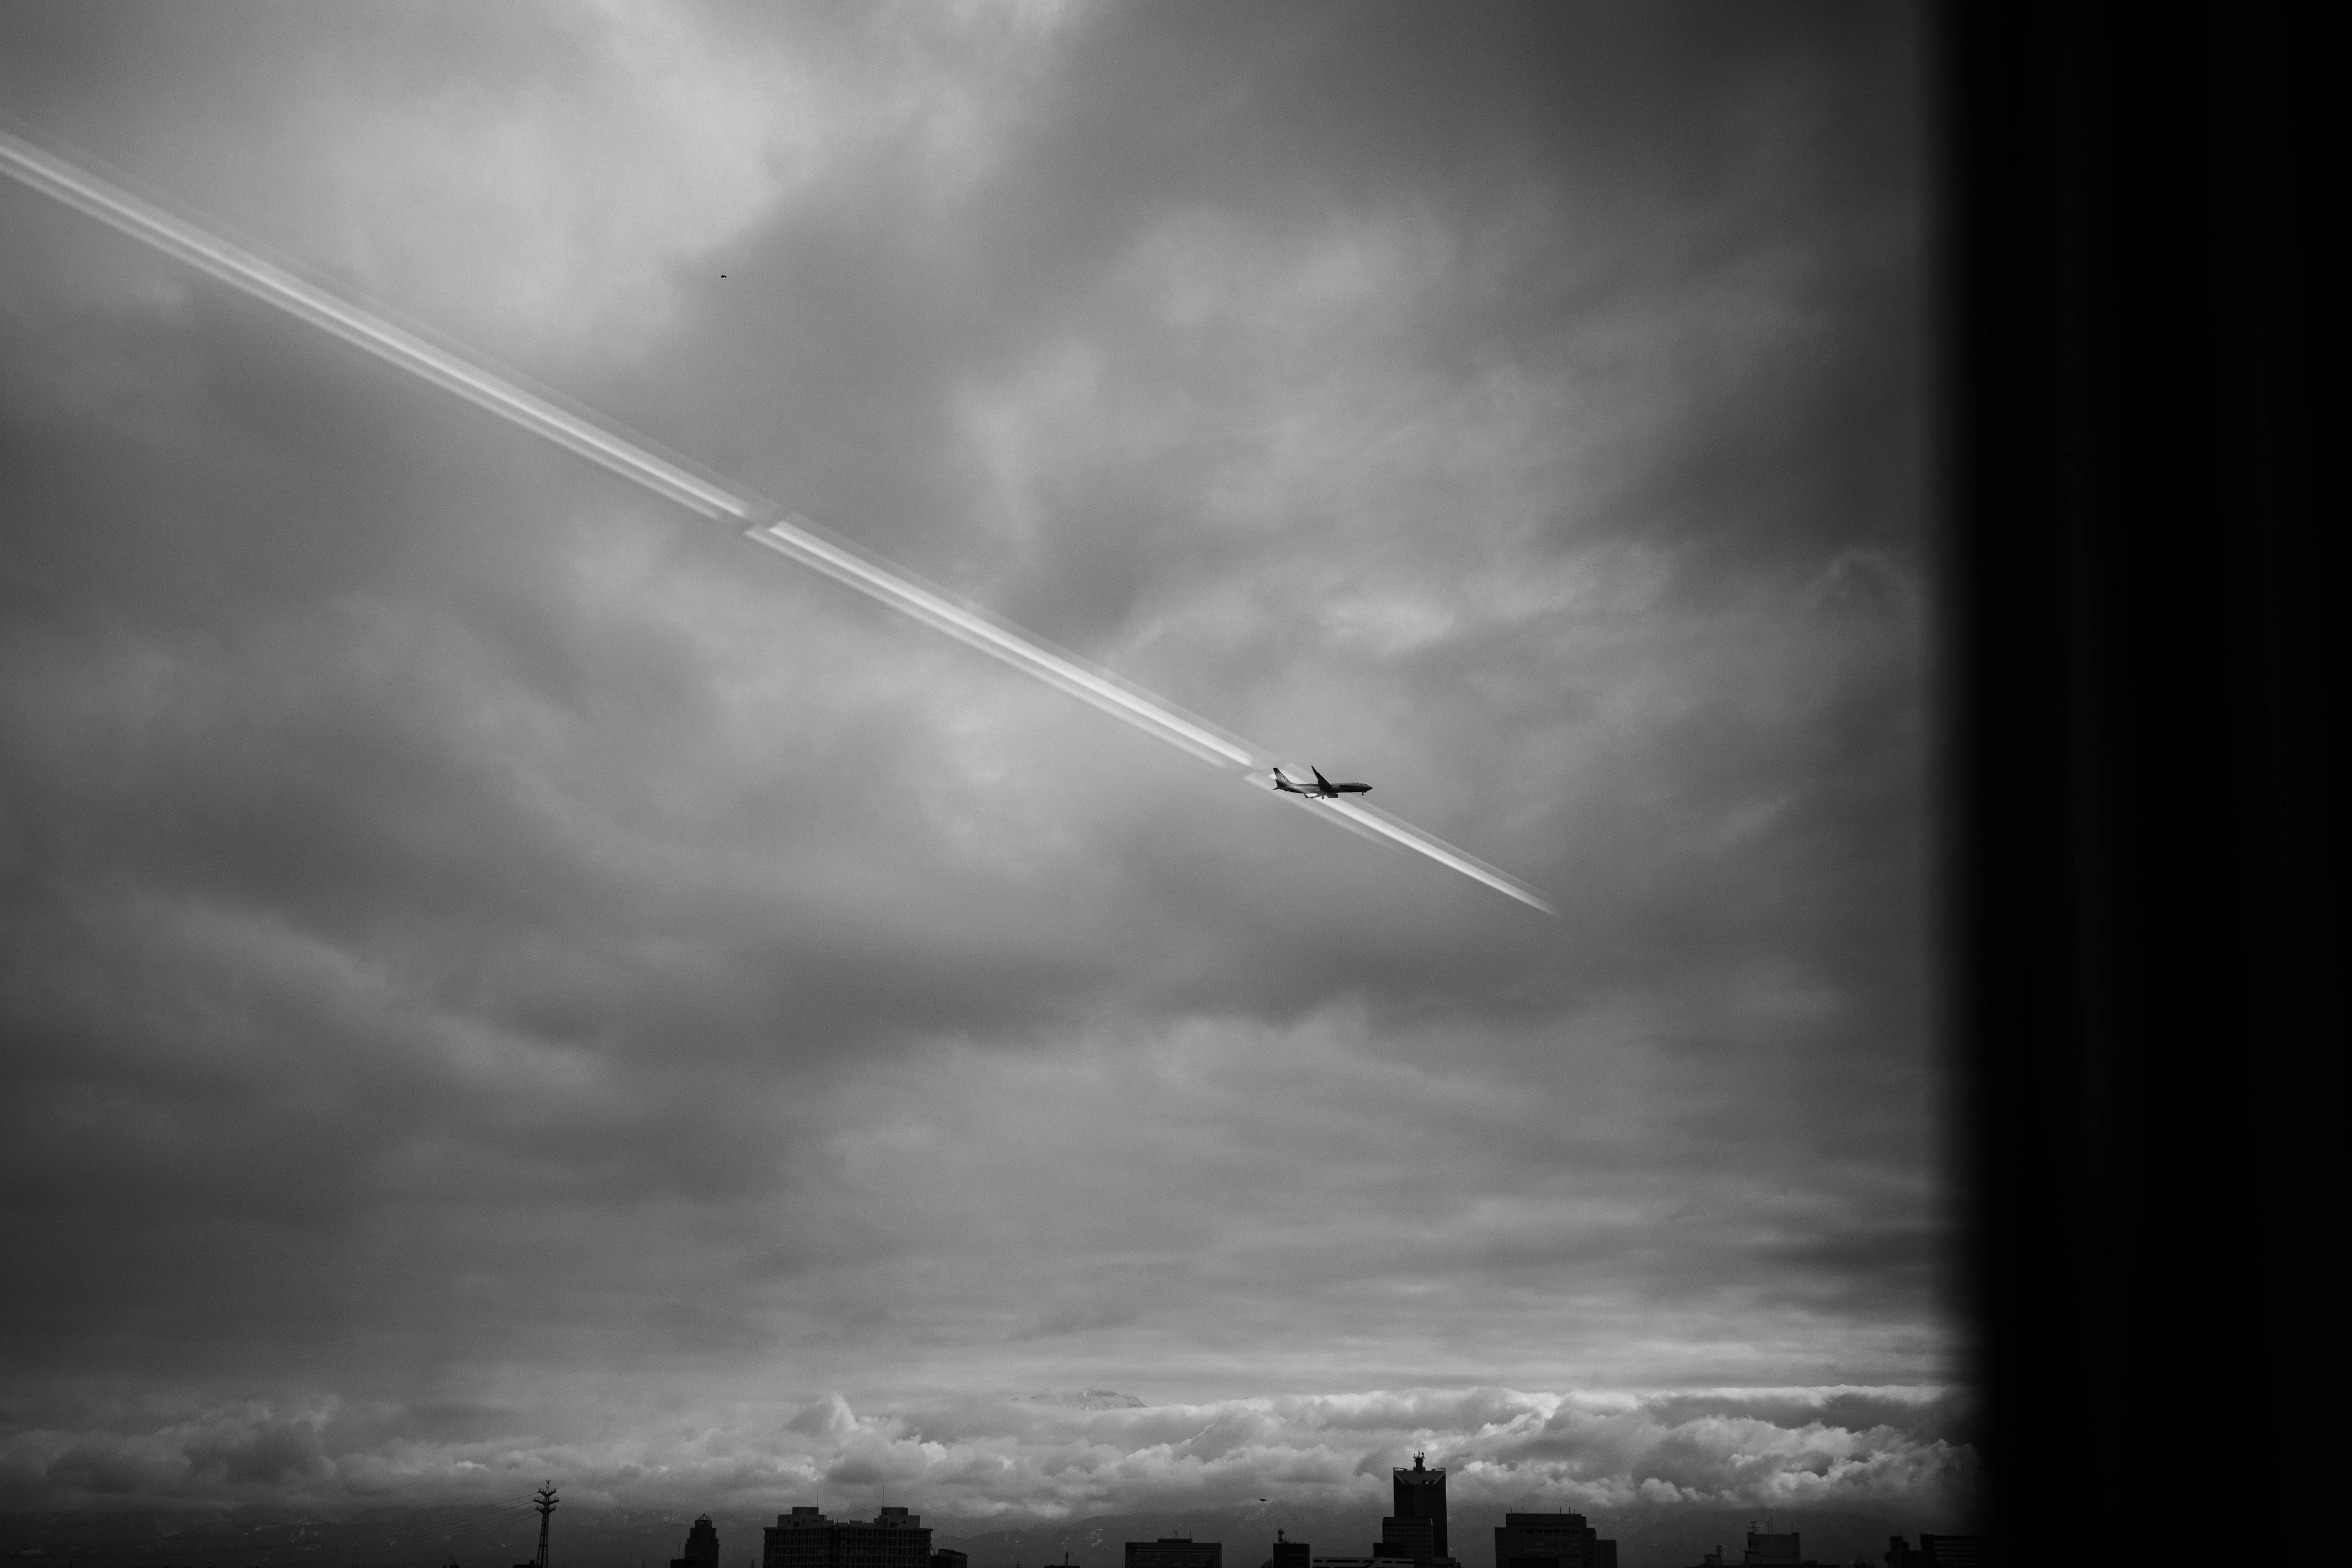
column 507, row 979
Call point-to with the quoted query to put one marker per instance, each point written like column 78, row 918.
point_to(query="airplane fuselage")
column 1321, row 789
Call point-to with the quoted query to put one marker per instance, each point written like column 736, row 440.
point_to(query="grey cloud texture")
column 497, row 968
column 1008, row 1460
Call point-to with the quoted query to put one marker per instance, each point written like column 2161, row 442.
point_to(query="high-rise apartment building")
column 701, row 1546
column 1551, row 1540
column 1175, row 1552
column 806, row 1538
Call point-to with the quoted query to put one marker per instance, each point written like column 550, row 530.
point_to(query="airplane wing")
column 76, row 181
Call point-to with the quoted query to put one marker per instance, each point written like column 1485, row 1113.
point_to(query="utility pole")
column 545, row 1502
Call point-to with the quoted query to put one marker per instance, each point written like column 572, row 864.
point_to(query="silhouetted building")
column 701, row 1546
column 806, row 1538
column 1417, row 1529
column 1942, row 1551
column 1412, row 1540
column 1767, row 1549
column 1175, row 1552
column 1550, row 1541
column 1287, row 1553
column 946, row 1557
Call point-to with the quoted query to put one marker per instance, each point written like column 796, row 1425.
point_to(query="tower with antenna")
column 1417, row 1529
column 545, row 1502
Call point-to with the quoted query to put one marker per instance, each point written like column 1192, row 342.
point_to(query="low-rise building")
column 1551, row 1540
column 1766, row 1548
column 1942, row 1551
column 1175, row 1552
column 1286, row 1552
column 805, row 1538
column 1360, row 1562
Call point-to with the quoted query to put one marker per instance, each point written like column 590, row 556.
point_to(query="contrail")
column 73, row 181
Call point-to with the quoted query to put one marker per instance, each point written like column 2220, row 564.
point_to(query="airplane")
column 1321, row 789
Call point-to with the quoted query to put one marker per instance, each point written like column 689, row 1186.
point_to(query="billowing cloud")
column 978, row 1460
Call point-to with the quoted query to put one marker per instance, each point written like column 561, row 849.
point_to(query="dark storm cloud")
column 500, row 974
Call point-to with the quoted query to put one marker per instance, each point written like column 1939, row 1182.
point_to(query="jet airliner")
column 1321, row 789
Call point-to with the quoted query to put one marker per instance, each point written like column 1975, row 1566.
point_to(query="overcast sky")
column 504, row 978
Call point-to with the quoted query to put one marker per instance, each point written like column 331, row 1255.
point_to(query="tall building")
column 1175, row 1552
column 806, row 1538
column 1550, row 1541
column 1287, row 1553
column 1420, row 1495
column 701, row 1546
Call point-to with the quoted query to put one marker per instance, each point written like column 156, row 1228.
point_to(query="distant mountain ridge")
column 1086, row 1399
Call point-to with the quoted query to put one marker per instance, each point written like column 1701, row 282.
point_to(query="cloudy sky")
column 503, row 978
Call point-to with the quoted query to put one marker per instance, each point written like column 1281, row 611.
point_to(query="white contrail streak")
column 803, row 542
column 192, row 242
column 1437, row 849
column 71, row 181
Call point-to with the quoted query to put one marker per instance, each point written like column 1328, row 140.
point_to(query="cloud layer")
column 973, row 1462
